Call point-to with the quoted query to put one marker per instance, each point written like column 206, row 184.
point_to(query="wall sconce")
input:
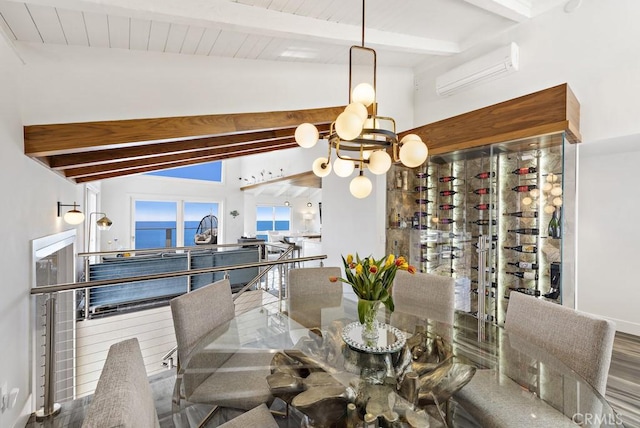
column 73, row 216
column 103, row 223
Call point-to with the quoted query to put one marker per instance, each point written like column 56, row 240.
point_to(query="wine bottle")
column 524, row 265
column 552, row 294
column 525, row 170
column 422, row 175
column 490, row 270
column 524, row 275
column 487, row 293
column 446, row 221
column 523, row 214
column 553, row 228
column 493, row 237
column 483, row 191
column 447, row 179
column 525, row 231
column 528, row 248
column 423, row 201
column 484, row 207
column 492, row 285
column 484, row 222
column 485, row 174
column 449, row 248
column 447, row 192
column 524, row 188
column 493, row 245
column 525, row 290
column 446, row 207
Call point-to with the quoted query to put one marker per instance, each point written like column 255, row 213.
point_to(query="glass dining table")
column 430, row 368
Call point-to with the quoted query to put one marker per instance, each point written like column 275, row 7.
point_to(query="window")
column 160, row 224
column 211, row 171
column 194, row 212
column 272, row 218
column 155, row 224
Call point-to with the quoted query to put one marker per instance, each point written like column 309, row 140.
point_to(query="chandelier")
column 359, row 137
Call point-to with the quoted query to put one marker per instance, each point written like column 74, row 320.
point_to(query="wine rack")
column 511, row 195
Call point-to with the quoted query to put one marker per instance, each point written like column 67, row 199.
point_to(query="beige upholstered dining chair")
column 123, row 396
column 237, row 380
column 314, row 301
column 553, row 335
column 423, row 295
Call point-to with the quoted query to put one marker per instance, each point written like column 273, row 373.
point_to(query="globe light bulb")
column 557, row 190
column 348, row 125
column 359, row 109
column 535, row 193
column 550, row 177
column 364, row 94
column 413, row 153
column 527, row 200
column 546, row 187
column 379, row 162
column 557, row 201
column 306, row 135
column 73, row 217
column 360, row 186
column 343, row 167
column 435, row 219
column 321, row 167
column 549, row 209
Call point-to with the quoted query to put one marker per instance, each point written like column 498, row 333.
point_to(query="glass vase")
column 368, row 311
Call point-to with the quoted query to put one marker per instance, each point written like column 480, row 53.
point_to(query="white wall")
column 608, row 230
column 594, row 50
column 29, row 196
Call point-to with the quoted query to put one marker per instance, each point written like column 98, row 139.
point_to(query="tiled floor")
column 623, row 392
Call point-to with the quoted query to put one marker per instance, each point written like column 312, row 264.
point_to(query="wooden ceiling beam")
column 140, row 170
column 167, row 161
column 100, row 157
column 66, row 138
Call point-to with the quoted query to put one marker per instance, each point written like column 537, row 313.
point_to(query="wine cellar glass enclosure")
column 499, row 218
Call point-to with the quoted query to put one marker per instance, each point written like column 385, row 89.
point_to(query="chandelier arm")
column 363, row 1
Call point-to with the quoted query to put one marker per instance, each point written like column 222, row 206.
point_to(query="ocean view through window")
column 272, row 218
column 157, row 223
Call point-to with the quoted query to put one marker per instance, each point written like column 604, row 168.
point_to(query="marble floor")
column 623, row 392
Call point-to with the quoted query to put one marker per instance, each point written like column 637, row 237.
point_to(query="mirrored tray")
column 389, row 340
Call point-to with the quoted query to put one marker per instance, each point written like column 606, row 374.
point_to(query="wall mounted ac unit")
column 487, row 67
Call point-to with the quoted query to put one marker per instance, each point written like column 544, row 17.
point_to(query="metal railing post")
column 50, row 407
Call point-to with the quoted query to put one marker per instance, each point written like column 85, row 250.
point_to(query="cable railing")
column 79, row 321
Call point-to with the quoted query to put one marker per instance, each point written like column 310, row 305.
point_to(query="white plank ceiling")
column 405, row 33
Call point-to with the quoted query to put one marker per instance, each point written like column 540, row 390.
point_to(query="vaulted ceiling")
column 409, row 33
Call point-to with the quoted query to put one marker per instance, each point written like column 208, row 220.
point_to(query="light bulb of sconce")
column 557, row 201
column 321, row 167
column 556, row 191
column 379, row 162
column 343, row 167
column 527, row 200
column 348, row 125
column 535, row 193
column 546, row 187
column 359, row 109
column 307, row 135
column 360, row 186
column 549, row 209
column 364, row 94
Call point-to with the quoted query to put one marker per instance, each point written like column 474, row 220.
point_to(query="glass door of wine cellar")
column 500, row 220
